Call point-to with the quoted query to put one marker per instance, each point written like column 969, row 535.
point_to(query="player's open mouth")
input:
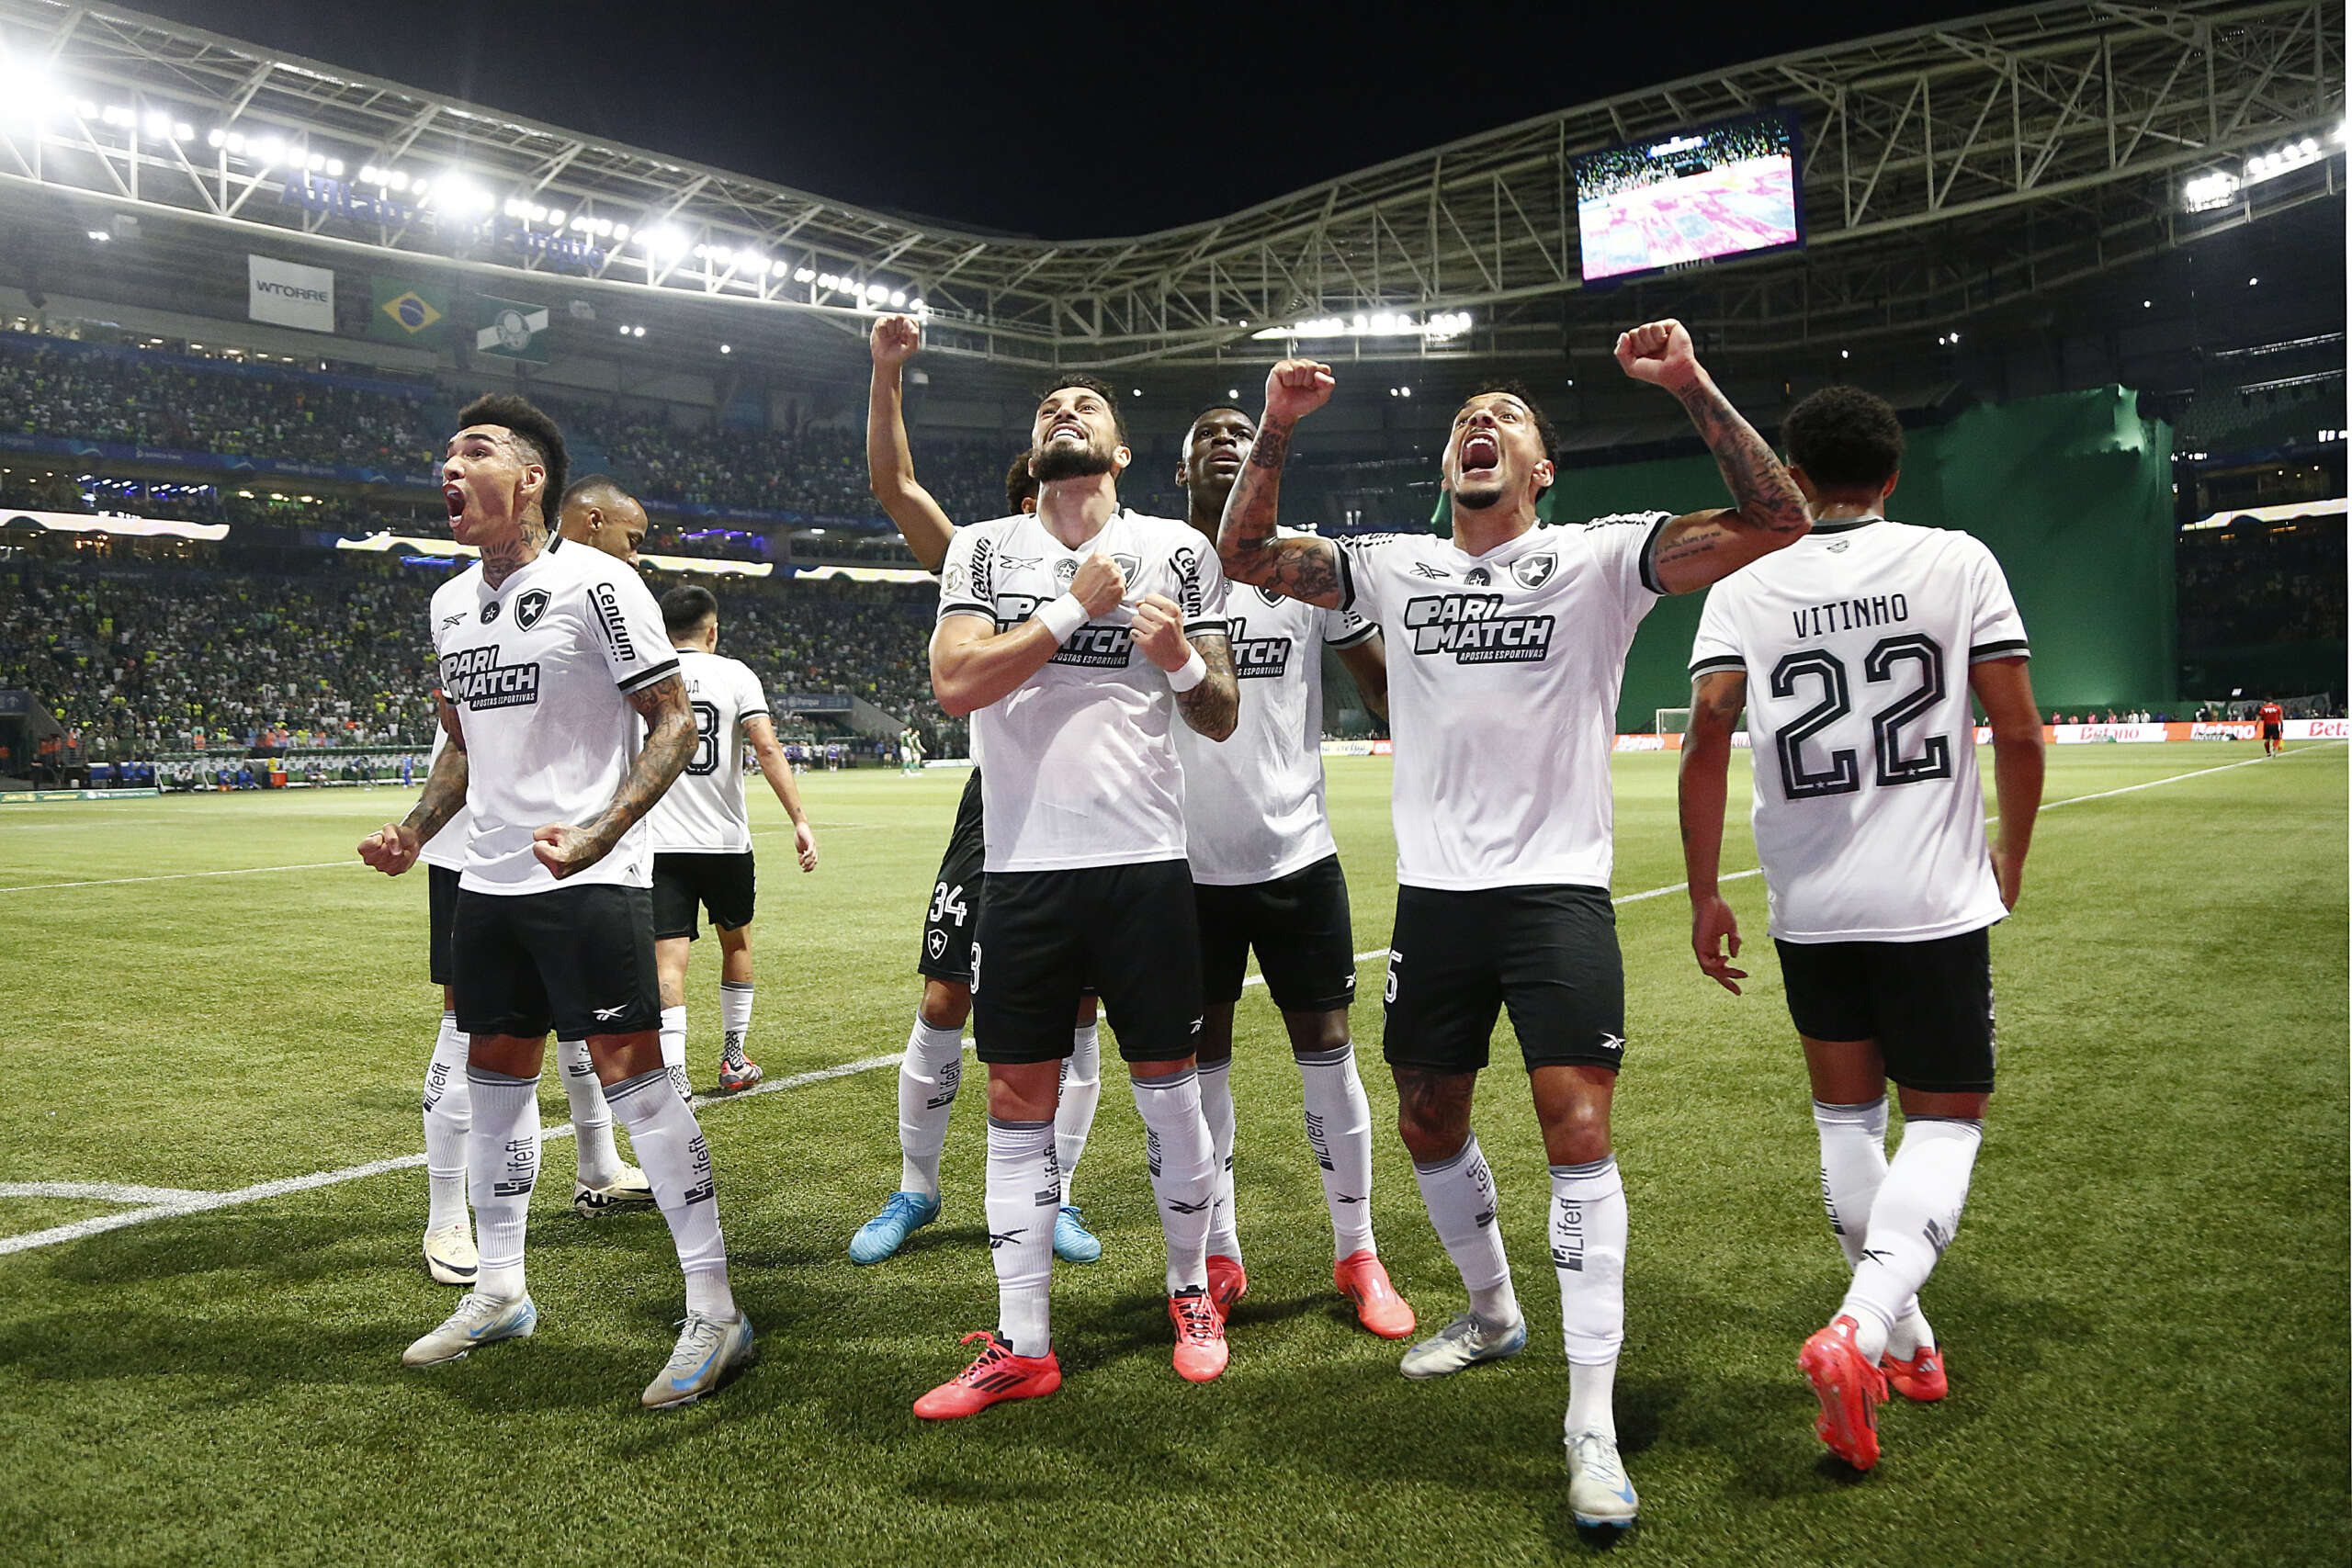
column 1481, row 453
column 1071, row 428
column 455, row 499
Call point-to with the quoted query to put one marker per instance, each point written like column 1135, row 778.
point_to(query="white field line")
column 188, row 1203
column 181, row 876
column 98, row 1191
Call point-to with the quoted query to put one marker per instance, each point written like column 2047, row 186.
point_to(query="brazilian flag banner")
column 513, row 330
column 407, row 311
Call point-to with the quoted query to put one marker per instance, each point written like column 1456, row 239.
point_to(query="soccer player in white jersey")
column 1864, row 643
column 702, row 836
column 567, row 719
column 931, row 1071
column 604, row 1183
column 1266, row 875
column 1077, row 638
column 1506, row 649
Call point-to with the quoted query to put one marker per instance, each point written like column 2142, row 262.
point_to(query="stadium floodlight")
column 158, row 124
column 235, row 141
column 877, row 292
column 316, row 162
column 726, row 348
column 513, row 208
column 539, row 214
column 624, row 332
column 666, row 243
column 216, row 137
column 100, row 235
column 779, row 268
column 1233, row 391
column 804, row 274
column 270, row 149
column 639, row 331
column 918, row 307
column 370, row 175
column 620, row 232
column 334, row 168
column 897, row 298
column 182, row 130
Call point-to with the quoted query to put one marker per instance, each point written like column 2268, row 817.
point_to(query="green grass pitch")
column 2144, row 1311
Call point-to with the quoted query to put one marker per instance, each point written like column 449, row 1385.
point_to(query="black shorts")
column 953, row 918
column 683, row 885
column 441, row 900
column 577, row 960
column 1549, row 954
column 1927, row 1004
column 1042, row 936
column 2274, row 732
column 1299, row 926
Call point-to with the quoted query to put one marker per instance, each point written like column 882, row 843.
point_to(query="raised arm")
column 889, row 461
column 1302, row 567
column 393, row 848
column 1768, row 512
column 2006, row 691
column 1716, row 701
column 669, row 740
column 776, row 768
column 973, row 664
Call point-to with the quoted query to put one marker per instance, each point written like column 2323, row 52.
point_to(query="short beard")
column 1477, row 500
column 1059, row 462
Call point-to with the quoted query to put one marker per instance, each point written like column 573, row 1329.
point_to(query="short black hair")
column 534, row 430
column 1843, row 438
column 1019, row 484
column 1095, row 385
column 587, row 485
column 684, row 608
column 1543, row 431
column 1217, row 408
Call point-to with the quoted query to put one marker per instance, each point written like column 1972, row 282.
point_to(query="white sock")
column 929, row 1075
column 1217, row 1109
column 591, row 1119
column 503, row 1165
column 734, row 1021
column 1339, row 1129
column 1853, row 1164
column 673, row 1052
column 1184, row 1172
column 1912, row 1223
column 1461, row 1200
column 1025, row 1193
column 1588, row 1234
column 448, row 1114
column 1081, row 1092
column 671, row 1146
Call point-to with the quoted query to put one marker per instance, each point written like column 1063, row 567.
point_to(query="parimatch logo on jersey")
column 1098, row 647
column 1472, row 628
column 476, row 679
column 1261, row 658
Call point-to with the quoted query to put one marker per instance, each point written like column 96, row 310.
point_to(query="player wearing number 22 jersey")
column 1855, row 653
column 1506, row 648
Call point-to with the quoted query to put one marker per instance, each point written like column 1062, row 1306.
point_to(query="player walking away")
column 566, row 719
column 910, row 751
column 702, row 836
column 933, row 1069
column 2273, row 720
column 1041, row 622
column 1870, row 822
column 1508, row 646
column 1266, row 875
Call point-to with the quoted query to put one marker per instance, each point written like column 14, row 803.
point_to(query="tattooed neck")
column 504, row 559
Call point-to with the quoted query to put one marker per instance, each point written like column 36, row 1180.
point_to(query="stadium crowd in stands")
column 2256, row 583
column 153, row 657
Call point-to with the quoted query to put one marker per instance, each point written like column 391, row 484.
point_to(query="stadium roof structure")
column 1945, row 169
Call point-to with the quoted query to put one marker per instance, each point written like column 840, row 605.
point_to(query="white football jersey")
column 446, row 848
column 1253, row 802
column 1078, row 765
column 1503, row 672
column 704, row 813
column 540, row 669
column 1857, row 642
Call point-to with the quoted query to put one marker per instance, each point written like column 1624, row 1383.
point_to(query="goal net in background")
column 1673, row 721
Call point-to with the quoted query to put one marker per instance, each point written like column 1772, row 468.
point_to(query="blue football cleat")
column 882, row 1236
column 1073, row 1243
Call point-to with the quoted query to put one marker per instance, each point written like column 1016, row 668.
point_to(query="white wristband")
column 1189, row 675
column 1062, row 617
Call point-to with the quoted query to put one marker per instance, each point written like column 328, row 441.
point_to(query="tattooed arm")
column 1213, row 707
column 669, row 740
column 1302, row 567
column 393, row 848
column 1704, row 547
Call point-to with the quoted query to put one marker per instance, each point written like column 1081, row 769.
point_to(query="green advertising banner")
column 407, row 311
column 513, row 330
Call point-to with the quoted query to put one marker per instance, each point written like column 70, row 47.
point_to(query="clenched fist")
column 1296, row 387
column 564, row 849
column 1659, row 353
column 391, row 849
column 896, row 340
column 1099, row 585
column 1159, row 631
